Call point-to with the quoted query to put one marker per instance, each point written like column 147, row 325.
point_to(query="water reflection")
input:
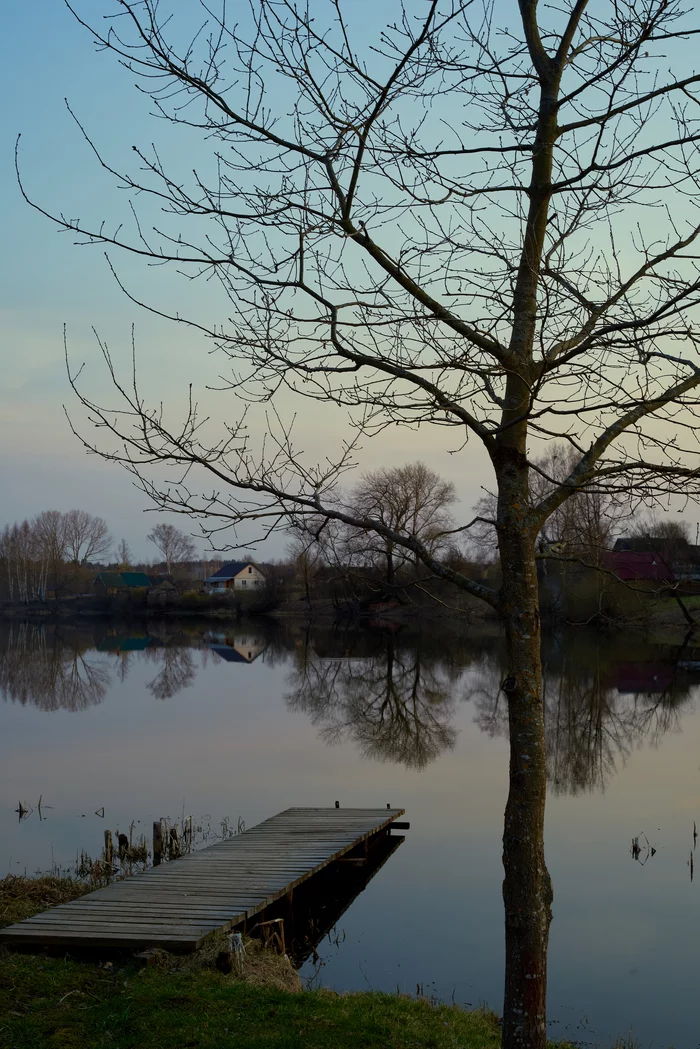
column 50, row 669
column 320, row 902
column 392, row 692
column 395, row 706
column 177, row 671
column 598, row 709
column 238, row 646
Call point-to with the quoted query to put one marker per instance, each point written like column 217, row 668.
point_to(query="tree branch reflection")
column 42, row 667
column 395, row 706
column 597, row 712
column 177, row 671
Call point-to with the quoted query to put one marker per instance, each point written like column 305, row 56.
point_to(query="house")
column 655, row 558
column 235, row 575
column 162, row 593
column 638, row 564
column 109, row 583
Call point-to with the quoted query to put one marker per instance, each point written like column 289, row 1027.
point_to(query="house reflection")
column 237, row 647
column 394, row 694
column 118, row 643
column 598, row 709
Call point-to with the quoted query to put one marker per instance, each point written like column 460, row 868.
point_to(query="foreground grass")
column 65, row 1005
column 59, row 1003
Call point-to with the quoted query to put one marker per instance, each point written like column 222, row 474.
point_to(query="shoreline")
column 49, row 1001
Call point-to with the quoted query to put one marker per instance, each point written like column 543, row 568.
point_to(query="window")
column 244, row 582
column 249, row 569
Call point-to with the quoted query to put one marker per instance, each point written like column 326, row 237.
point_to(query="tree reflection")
column 392, row 693
column 177, row 671
column 42, row 667
column 596, row 714
column 396, row 706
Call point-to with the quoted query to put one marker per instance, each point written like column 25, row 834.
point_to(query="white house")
column 235, row 575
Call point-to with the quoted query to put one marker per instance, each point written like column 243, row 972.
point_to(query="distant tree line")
column 410, row 498
column 34, row 552
column 56, row 550
column 329, row 558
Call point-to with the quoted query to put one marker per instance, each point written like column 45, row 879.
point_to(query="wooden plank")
column 181, row 902
column 39, row 921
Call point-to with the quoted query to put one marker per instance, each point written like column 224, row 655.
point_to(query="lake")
column 241, row 720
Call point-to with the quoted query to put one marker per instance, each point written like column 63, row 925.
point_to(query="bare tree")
column 583, row 525
column 468, row 219
column 173, row 544
column 25, row 574
column 306, row 552
column 87, row 537
column 49, row 528
column 49, row 542
column 412, row 500
column 669, row 531
column 123, row 554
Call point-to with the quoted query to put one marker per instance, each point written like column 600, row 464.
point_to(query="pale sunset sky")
column 47, row 282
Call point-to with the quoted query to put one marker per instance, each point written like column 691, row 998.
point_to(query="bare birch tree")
column 173, row 544
column 475, row 217
column 49, row 542
column 123, row 554
column 25, row 578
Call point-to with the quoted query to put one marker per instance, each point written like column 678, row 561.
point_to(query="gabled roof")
column 135, row 579
column 162, row 583
column 229, row 654
column 122, row 580
column 653, row 543
column 230, row 570
column 110, row 579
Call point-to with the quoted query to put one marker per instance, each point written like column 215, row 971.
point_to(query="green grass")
column 62, row 1003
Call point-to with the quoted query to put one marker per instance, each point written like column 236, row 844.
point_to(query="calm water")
column 246, row 720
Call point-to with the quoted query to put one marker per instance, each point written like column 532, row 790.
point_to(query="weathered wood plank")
column 179, row 903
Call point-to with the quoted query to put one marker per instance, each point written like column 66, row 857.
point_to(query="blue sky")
column 46, row 282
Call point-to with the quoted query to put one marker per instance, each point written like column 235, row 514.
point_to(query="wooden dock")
column 178, row 904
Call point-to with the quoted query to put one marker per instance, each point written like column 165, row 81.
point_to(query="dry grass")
column 260, row 967
column 22, row 897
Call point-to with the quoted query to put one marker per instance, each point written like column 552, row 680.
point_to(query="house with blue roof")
column 235, row 575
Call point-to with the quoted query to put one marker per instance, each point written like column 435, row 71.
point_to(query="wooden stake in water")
column 108, row 848
column 157, row 843
column 173, row 844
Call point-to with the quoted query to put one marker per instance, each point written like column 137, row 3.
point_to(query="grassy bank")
column 62, row 1003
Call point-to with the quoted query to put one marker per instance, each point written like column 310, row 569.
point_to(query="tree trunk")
column 527, row 890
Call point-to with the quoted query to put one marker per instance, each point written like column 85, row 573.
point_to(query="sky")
column 46, row 282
